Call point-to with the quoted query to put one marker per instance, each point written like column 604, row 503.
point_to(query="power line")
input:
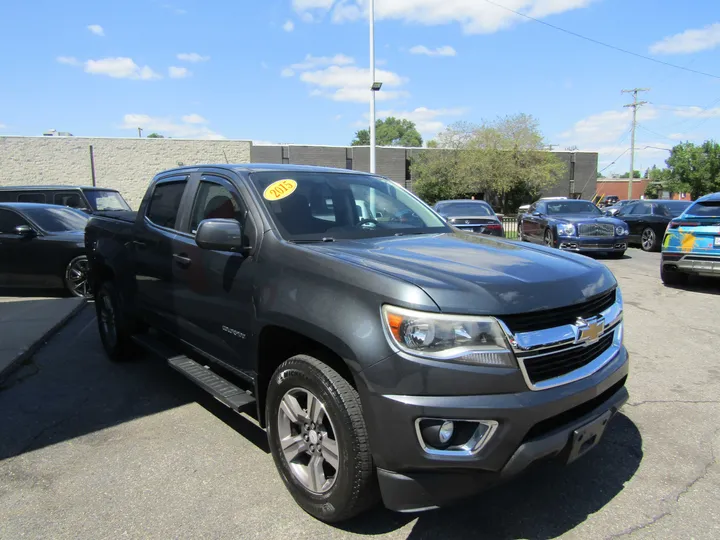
column 655, row 133
column 597, row 42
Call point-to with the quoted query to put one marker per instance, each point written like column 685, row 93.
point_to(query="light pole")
column 374, row 86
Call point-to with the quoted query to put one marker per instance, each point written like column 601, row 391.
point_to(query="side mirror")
column 26, row 231
column 537, row 214
column 378, row 215
column 220, row 235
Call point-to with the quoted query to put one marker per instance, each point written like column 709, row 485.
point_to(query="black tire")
column 616, row 254
column 521, row 234
column 118, row 342
column 76, row 278
column 672, row 278
column 549, row 238
column 354, row 488
column 649, row 240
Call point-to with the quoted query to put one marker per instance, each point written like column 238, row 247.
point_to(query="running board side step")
column 221, row 389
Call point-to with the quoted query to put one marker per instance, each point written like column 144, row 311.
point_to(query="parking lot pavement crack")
column 636, row 528
column 709, row 464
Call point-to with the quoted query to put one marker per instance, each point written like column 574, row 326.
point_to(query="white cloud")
column 697, row 112
column 602, row 128
column 69, row 60
column 689, row 41
column 341, row 80
column 178, row 72
column 120, row 68
column 96, row 29
column 428, row 121
column 474, row 16
column 194, row 119
column 289, row 26
column 447, row 50
column 192, row 57
column 189, row 128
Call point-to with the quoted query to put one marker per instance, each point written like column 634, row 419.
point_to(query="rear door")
column 636, row 216
column 213, row 289
column 153, row 250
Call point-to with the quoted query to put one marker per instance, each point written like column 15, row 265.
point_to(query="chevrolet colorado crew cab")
column 402, row 360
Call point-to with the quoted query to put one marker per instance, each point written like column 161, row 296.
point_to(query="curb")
column 38, row 343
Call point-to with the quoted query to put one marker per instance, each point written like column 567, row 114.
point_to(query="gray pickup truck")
column 386, row 356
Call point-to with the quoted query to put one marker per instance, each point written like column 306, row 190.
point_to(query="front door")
column 214, row 288
column 17, row 268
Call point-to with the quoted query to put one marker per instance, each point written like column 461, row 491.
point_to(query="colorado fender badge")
column 279, row 190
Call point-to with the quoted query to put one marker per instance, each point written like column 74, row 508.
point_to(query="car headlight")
column 621, row 231
column 566, row 229
column 456, row 338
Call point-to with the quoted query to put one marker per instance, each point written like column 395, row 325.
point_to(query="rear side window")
column 31, row 197
column 165, row 203
column 705, row 209
column 68, row 199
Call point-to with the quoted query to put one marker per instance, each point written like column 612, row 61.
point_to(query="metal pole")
column 92, row 165
column 635, row 104
column 372, row 92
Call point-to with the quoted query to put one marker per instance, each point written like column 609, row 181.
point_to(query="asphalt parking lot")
column 91, row 449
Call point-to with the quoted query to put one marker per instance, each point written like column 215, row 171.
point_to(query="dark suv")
column 87, row 199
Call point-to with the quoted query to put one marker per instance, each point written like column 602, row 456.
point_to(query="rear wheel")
column 115, row 328
column 648, row 240
column 672, row 277
column 319, row 441
column 76, row 277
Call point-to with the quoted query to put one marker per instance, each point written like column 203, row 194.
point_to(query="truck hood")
column 467, row 273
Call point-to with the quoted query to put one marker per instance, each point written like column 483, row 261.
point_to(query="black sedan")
column 574, row 225
column 470, row 216
column 43, row 246
column 649, row 219
column 615, row 208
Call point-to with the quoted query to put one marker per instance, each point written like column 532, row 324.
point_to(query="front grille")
column 596, row 229
column 540, row 320
column 549, row 366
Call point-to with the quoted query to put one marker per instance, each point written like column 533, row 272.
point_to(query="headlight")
column 621, row 231
column 566, row 229
column 469, row 340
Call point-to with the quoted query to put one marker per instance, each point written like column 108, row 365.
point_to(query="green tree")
column 504, row 158
column 155, row 136
column 600, row 175
column 636, row 174
column 694, row 169
column 390, row 132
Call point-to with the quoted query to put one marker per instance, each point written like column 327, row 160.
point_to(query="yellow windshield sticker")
column 279, row 190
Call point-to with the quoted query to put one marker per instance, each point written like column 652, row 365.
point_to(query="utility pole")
column 373, row 88
column 140, row 130
column 635, row 104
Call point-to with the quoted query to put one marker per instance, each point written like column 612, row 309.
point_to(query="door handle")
column 138, row 243
column 182, row 260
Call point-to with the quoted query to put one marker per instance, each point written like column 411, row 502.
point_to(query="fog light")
column 446, row 432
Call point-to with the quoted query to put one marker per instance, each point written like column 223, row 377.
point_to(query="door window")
column 9, row 220
column 641, row 209
column 165, row 203
column 213, row 201
column 31, row 197
column 68, row 199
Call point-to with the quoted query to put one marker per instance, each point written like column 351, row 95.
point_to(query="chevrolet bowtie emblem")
column 589, row 331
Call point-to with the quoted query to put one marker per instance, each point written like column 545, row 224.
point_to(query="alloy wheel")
column 308, row 440
column 549, row 238
column 648, row 239
column 76, row 277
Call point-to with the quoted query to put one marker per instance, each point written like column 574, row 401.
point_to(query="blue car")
column 691, row 244
column 574, row 225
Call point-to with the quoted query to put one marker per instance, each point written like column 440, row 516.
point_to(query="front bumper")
column 693, row 263
column 532, row 426
column 588, row 243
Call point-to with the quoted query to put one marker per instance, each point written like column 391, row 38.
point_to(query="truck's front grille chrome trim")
column 564, row 346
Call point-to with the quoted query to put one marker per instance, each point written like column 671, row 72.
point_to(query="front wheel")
column 549, row 239
column 319, row 440
column 648, row 240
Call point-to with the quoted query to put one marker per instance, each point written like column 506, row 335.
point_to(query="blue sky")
column 295, row 71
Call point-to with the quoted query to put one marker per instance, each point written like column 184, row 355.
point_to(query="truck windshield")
column 315, row 206
column 103, row 200
column 56, row 220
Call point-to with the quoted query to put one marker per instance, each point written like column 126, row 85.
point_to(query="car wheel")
column 549, row 239
column 115, row 329
column 672, row 278
column 616, row 254
column 77, row 280
column 319, row 440
column 648, row 240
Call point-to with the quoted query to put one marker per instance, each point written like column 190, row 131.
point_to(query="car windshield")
column 316, row 206
column 470, row 209
column 675, row 208
column 572, row 207
column 103, row 200
column 58, row 219
column 704, row 209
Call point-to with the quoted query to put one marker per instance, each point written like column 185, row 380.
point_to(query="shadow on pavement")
column 699, row 284
column 548, row 501
column 70, row 388
column 33, row 293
